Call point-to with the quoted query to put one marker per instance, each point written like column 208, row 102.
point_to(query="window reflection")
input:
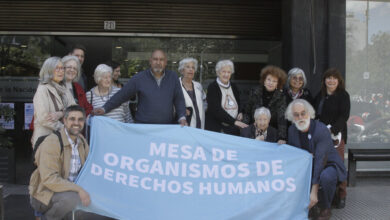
column 23, row 55
column 368, row 70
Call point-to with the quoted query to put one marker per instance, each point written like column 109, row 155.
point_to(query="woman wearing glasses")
column 72, row 75
column 295, row 86
column 50, row 99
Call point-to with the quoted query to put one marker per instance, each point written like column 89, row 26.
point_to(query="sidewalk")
column 369, row 199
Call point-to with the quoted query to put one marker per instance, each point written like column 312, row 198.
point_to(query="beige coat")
column 43, row 105
column 53, row 167
column 200, row 97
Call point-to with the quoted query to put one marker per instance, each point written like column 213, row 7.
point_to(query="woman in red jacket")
column 72, row 74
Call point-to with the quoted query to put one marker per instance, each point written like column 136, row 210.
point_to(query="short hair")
column 223, row 63
column 78, row 46
column 184, row 61
column 47, row 69
column 275, row 72
column 336, row 74
column 73, row 108
column 68, row 58
column 262, row 111
column 310, row 110
column 112, row 64
column 101, row 69
column 293, row 72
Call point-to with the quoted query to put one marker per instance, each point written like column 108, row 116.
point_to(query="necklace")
column 188, row 87
column 103, row 97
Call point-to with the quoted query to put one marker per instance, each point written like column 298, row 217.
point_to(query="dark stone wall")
column 313, row 37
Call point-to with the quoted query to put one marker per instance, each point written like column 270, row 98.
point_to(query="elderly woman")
column 270, row 95
column 104, row 90
column 193, row 93
column 223, row 102
column 333, row 106
column 72, row 75
column 260, row 129
column 116, row 73
column 50, row 99
column 295, row 86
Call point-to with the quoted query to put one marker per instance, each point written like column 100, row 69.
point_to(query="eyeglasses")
column 297, row 114
column 60, row 68
column 298, row 78
column 71, row 68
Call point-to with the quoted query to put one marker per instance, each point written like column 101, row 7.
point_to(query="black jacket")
column 277, row 107
column 215, row 114
column 335, row 111
column 306, row 96
column 250, row 132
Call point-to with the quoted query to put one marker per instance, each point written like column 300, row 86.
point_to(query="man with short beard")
column 159, row 92
column 52, row 189
column 314, row 137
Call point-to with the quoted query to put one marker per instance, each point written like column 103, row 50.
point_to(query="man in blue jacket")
column 314, row 137
column 159, row 94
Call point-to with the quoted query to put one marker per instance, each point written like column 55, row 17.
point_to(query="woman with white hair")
column 193, row 93
column 104, row 90
column 72, row 75
column 260, row 129
column 223, row 102
column 295, row 86
column 50, row 99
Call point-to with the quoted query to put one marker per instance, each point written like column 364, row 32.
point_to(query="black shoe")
column 341, row 204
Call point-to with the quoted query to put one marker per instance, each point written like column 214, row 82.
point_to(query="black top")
column 193, row 99
column 250, row 132
column 335, row 111
column 276, row 105
column 306, row 95
column 215, row 114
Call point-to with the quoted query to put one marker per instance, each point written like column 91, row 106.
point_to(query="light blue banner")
column 137, row 171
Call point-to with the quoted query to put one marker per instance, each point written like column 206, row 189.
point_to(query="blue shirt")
column 157, row 104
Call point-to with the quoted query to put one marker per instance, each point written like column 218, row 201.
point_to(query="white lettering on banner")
column 147, row 174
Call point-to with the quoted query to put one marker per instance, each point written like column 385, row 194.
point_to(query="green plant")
column 7, row 113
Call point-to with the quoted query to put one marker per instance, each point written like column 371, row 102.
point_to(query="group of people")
column 165, row 98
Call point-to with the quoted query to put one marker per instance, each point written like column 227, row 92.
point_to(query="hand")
column 313, row 195
column 98, row 111
column 239, row 117
column 313, row 200
column 183, row 122
column 281, row 142
column 84, row 197
column 240, row 124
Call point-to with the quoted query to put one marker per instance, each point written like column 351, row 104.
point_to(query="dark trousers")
column 343, row 185
column 328, row 184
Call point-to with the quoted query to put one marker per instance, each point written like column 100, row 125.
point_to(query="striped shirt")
column 75, row 162
column 122, row 113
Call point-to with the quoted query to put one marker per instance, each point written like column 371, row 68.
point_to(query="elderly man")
column 314, row 137
column 159, row 94
column 59, row 159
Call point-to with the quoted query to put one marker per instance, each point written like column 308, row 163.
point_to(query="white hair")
column 262, row 111
column 68, row 58
column 100, row 71
column 293, row 72
column 223, row 63
column 306, row 105
column 184, row 61
column 48, row 68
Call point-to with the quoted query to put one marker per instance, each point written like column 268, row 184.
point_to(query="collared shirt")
column 158, row 80
column 75, row 162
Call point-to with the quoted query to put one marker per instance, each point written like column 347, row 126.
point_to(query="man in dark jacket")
column 314, row 137
column 159, row 94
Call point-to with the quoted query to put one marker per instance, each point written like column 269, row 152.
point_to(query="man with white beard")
column 314, row 137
